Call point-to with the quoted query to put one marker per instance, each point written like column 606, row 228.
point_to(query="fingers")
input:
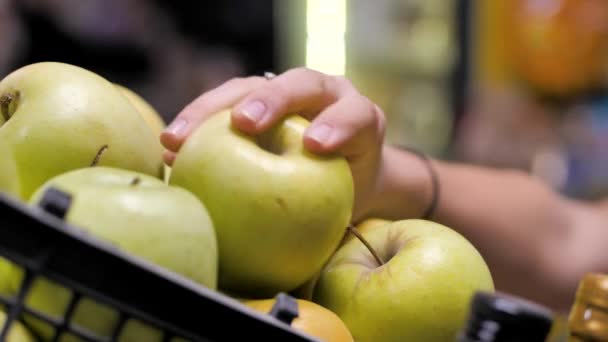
column 352, row 125
column 205, row 105
column 301, row 91
column 342, row 119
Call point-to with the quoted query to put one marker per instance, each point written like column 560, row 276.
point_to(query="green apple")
column 152, row 117
column 279, row 210
column 139, row 214
column 58, row 117
column 305, row 291
column 421, row 292
column 9, row 176
column 18, row 332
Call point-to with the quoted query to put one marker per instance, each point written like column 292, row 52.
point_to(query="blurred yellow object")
column 588, row 319
column 313, row 319
column 558, row 46
column 559, row 329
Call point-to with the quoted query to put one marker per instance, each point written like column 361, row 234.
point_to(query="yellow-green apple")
column 417, row 288
column 17, row 331
column 312, row 319
column 279, row 210
column 305, row 291
column 9, row 177
column 57, row 117
column 140, row 214
column 369, row 224
column 152, row 117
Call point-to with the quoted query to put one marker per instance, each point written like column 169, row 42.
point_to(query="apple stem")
column 5, row 102
column 356, row 233
column 101, row 151
column 135, row 181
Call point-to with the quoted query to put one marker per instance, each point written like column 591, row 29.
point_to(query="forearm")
column 523, row 229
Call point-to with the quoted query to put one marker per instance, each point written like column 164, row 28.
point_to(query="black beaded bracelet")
column 428, row 213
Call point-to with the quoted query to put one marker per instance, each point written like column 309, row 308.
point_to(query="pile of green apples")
column 247, row 216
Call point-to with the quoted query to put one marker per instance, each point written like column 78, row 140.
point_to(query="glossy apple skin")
column 279, row 210
column 63, row 115
column 421, row 294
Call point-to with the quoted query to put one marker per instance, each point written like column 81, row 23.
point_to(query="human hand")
column 342, row 120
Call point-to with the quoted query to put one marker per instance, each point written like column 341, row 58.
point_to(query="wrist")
column 405, row 187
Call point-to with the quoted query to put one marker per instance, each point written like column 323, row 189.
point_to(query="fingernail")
column 177, row 127
column 320, row 133
column 254, row 111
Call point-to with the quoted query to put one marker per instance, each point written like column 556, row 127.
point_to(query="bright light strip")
column 325, row 40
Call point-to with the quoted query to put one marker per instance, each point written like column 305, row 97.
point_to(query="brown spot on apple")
column 281, row 202
column 8, row 104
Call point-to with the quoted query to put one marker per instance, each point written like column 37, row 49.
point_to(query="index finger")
column 207, row 104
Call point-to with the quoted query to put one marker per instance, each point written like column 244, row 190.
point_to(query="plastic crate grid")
column 37, row 240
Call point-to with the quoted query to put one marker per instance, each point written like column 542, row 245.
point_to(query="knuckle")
column 343, row 82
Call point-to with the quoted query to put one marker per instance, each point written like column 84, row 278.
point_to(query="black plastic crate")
column 38, row 240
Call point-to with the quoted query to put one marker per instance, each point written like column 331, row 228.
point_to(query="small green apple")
column 421, row 292
column 140, row 214
column 279, row 210
column 17, row 332
column 57, row 117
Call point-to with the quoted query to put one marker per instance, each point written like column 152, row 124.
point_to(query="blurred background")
column 503, row 83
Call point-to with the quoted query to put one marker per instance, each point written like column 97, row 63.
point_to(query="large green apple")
column 140, row 214
column 58, row 117
column 279, row 210
column 421, row 292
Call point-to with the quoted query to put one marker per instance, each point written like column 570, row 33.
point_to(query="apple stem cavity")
column 5, row 104
column 101, row 151
column 355, row 232
column 135, row 181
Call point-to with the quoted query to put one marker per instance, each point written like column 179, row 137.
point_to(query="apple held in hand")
column 421, row 292
column 140, row 214
column 58, row 117
column 279, row 211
